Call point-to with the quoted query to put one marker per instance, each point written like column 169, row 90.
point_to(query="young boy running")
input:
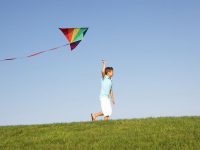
column 106, row 93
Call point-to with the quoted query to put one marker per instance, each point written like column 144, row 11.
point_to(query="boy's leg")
column 97, row 114
column 106, row 118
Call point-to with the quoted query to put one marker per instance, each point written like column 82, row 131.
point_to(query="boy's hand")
column 113, row 100
column 103, row 61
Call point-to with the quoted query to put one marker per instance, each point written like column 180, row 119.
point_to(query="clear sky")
column 154, row 47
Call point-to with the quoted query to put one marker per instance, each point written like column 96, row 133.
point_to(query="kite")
column 73, row 35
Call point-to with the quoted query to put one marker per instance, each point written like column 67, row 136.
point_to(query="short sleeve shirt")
column 106, row 86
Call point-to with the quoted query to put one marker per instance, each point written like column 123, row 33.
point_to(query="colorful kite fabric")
column 73, row 35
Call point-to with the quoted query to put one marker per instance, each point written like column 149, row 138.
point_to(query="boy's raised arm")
column 103, row 68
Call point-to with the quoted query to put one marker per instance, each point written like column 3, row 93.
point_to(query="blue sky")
column 153, row 46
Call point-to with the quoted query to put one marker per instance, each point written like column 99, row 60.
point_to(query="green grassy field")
column 150, row 133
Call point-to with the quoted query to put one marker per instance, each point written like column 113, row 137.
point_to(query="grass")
column 150, row 133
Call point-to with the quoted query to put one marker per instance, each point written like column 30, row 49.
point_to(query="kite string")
column 35, row 53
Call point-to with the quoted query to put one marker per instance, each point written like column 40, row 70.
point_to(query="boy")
column 105, row 94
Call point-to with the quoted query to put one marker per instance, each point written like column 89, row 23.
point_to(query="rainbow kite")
column 73, row 35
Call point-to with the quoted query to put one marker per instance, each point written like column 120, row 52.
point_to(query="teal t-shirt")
column 106, row 86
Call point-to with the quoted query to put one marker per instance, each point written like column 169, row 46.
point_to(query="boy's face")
column 110, row 73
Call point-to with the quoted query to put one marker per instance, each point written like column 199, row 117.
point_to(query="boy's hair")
column 108, row 69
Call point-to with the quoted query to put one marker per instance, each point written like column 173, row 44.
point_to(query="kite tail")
column 34, row 54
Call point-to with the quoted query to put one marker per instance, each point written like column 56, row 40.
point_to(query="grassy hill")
column 150, row 133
